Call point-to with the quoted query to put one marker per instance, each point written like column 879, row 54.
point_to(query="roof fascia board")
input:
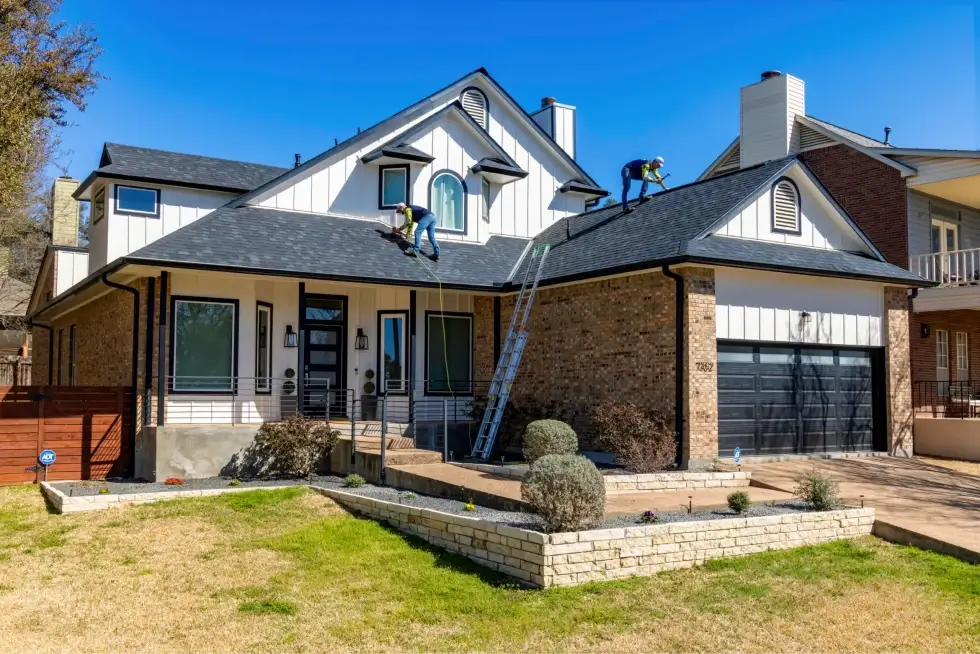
column 93, row 278
column 95, row 174
column 721, row 157
column 914, row 152
column 871, row 152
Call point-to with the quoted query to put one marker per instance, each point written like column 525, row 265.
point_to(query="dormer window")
column 137, row 200
column 392, row 186
column 475, row 104
column 785, row 207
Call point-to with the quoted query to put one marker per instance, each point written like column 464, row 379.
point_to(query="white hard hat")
column 400, row 206
column 659, row 160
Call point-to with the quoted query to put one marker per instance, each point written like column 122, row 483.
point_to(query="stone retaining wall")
column 659, row 481
column 573, row 558
column 75, row 503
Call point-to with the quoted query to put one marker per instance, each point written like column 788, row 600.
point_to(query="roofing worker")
column 422, row 220
column 641, row 169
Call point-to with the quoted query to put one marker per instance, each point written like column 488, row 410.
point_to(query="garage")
column 799, row 399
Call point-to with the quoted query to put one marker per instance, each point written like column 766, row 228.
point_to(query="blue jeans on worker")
column 628, row 182
column 427, row 224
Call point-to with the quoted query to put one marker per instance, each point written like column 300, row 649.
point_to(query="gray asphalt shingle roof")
column 310, row 245
column 855, row 137
column 160, row 165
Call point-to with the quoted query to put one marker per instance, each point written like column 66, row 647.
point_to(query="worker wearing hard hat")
column 422, row 220
column 641, row 169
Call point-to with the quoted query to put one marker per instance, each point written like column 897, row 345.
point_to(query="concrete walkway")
column 912, row 494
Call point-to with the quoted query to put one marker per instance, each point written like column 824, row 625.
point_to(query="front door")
column 323, row 367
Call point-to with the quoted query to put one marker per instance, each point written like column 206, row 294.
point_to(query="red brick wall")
column 924, row 349
column 872, row 193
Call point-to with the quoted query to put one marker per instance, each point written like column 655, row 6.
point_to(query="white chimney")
column 768, row 118
column 558, row 122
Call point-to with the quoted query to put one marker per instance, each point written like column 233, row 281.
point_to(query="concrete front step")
column 369, row 428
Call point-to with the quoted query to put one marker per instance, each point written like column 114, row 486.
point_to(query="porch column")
column 162, row 348
column 898, row 371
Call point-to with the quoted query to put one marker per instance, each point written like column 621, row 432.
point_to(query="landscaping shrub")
column 543, row 437
column 648, row 517
column 738, row 501
column 818, row 490
column 566, row 491
column 353, row 481
column 294, row 447
column 642, row 441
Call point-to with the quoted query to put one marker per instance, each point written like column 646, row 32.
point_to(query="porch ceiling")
column 962, row 190
column 947, row 299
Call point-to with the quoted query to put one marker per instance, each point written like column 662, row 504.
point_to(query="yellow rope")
column 442, row 317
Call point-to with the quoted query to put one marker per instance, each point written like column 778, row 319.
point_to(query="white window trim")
column 135, row 212
column 381, row 185
column 943, row 225
column 428, row 348
column 173, row 347
column 394, row 385
column 263, row 383
column 962, row 356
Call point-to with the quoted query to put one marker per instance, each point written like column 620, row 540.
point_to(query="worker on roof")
column 422, row 220
column 647, row 170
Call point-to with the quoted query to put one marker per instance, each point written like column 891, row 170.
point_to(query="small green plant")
column 566, row 491
column 104, row 491
column 234, row 482
column 406, row 496
column 818, row 490
column 738, row 501
column 470, row 506
column 649, row 517
column 354, row 481
column 544, row 437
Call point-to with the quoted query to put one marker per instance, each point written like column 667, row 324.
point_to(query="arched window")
column 447, row 200
column 475, row 104
column 785, row 206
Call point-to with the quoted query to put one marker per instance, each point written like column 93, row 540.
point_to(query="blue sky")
column 258, row 81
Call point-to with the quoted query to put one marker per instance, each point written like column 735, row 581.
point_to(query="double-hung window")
column 203, row 344
column 962, row 357
column 449, row 353
column 394, row 343
column 942, row 361
column 393, row 186
column 263, row 347
column 137, row 200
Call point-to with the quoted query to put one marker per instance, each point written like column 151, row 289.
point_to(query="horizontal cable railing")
column 955, row 268
column 947, row 399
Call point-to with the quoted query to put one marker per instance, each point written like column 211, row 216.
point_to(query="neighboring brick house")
column 275, row 290
column 921, row 209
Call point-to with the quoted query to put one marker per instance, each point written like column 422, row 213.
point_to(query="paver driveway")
column 910, row 493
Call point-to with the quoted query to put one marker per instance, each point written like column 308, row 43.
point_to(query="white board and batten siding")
column 345, row 186
column 71, row 267
column 119, row 234
column 821, row 226
column 765, row 306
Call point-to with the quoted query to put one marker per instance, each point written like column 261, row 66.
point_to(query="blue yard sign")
column 46, row 457
column 738, row 455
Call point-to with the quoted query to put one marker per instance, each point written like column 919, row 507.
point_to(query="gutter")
column 678, row 360
column 133, row 406
column 50, row 347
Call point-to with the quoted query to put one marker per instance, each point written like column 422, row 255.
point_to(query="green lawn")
column 289, row 571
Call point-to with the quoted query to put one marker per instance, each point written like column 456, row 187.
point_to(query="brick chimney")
column 64, row 212
column 768, row 118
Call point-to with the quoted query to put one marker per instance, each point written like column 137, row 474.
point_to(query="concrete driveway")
column 910, row 493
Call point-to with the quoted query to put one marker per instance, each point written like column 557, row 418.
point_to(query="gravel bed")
column 127, row 486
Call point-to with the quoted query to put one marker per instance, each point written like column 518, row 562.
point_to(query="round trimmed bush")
column 566, row 491
column 739, row 501
column 543, row 437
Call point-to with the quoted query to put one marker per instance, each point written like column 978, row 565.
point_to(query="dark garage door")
column 785, row 400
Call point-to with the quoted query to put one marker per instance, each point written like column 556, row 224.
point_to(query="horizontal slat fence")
column 86, row 426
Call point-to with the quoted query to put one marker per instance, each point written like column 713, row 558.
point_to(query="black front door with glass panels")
column 779, row 400
column 324, row 379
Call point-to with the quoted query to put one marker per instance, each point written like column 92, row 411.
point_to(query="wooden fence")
column 15, row 371
column 86, row 426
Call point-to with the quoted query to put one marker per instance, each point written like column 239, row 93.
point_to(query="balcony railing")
column 956, row 268
column 947, row 399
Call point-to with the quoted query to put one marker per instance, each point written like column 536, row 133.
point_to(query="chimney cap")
column 545, row 101
column 769, row 74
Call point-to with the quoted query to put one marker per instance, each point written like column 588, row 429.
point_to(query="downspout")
column 50, row 347
column 133, row 398
column 678, row 360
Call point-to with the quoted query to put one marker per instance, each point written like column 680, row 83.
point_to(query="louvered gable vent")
column 811, row 138
column 785, row 207
column 475, row 104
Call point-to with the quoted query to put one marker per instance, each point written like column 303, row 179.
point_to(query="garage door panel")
column 820, row 402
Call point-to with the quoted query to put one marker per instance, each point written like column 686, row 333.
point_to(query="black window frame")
column 71, row 355
column 466, row 201
column 98, row 198
column 381, row 184
column 174, row 299
column 259, row 307
column 132, row 212
column 772, row 208
column 61, row 345
column 381, row 344
column 486, row 193
column 425, row 362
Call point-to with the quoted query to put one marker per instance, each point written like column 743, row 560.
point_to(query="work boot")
column 644, row 198
column 628, row 209
column 435, row 257
column 410, row 252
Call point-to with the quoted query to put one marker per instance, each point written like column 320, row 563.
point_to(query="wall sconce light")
column 925, row 330
column 292, row 338
column 361, row 340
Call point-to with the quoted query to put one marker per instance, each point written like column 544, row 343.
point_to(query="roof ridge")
column 190, row 154
column 851, row 131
